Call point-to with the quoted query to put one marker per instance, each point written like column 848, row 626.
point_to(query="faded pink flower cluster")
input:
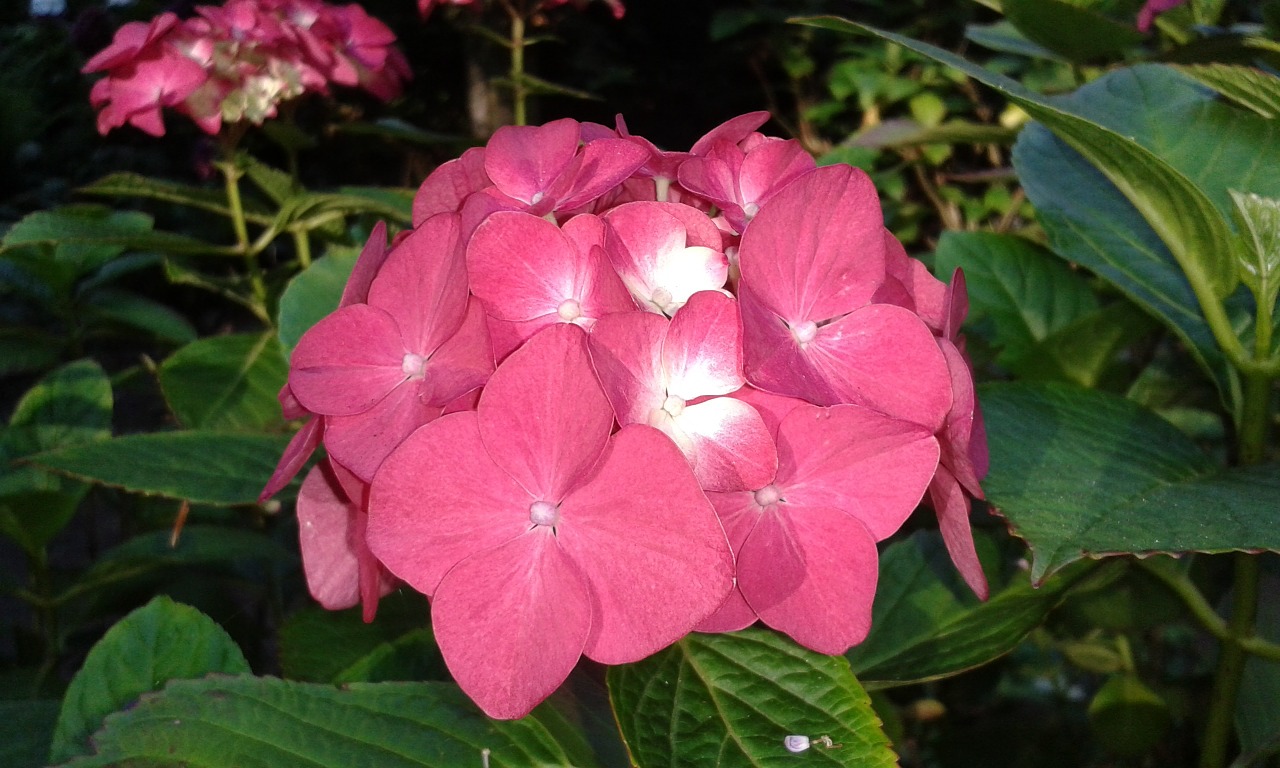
column 603, row 395
column 240, row 61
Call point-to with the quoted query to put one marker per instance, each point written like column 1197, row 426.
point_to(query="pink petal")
column 816, row 250
column 449, row 185
column 511, row 622
column 768, row 167
column 348, row 361
column 423, row 284
column 626, row 352
column 524, row 161
column 732, row 615
column 649, row 544
column 702, row 354
column 650, row 246
column 731, row 449
column 325, row 537
column 303, row 443
column 522, row 266
column 957, row 433
column 856, row 460
column 955, row 305
column 732, row 130
column 829, row 609
column 361, row 441
column 464, row 362
column 909, row 284
column 366, row 267
column 772, row 408
column 438, row 499
column 952, row 507
column 543, row 416
column 606, row 163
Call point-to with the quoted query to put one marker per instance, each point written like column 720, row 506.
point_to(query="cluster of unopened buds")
column 239, row 61
column 603, row 395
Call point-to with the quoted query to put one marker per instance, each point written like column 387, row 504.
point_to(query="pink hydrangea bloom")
column 540, row 537
column 240, row 61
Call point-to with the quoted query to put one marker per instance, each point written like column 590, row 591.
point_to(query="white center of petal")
column 537, row 197
column 544, row 513
column 673, row 405
column 662, row 299
column 750, row 209
column 768, row 495
column 569, row 310
column 805, row 332
column 414, row 365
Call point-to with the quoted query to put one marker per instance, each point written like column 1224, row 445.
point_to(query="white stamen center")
column 805, row 332
column 750, row 209
column 544, row 513
column 768, row 495
column 673, row 405
column 414, row 365
column 569, row 310
column 662, row 299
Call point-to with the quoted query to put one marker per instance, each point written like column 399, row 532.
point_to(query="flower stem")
column 302, row 246
column 231, row 175
column 1226, row 681
column 519, row 94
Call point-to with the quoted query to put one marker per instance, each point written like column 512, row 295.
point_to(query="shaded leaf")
column 318, row 645
column 139, row 186
column 26, row 730
column 1084, row 351
column 1258, row 219
column 147, row 315
column 730, row 700
column 204, row 467
column 1080, row 473
column 1027, row 292
column 1004, row 37
column 1247, row 86
column 97, row 227
column 226, row 382
column 160, row 641
column 921, row 631
column 1078, row 33
column 249, row 722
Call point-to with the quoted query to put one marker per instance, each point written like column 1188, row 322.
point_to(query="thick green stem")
column 46, row 614
column 1194, row 600
column 1226, row 682
column 302, row 246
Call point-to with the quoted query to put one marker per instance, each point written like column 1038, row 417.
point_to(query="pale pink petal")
column 702, row 354
column 423, row 284
column 464, row 362
column 857, row 460
column 815, row 250
column 324, row 536
column 543, row 416
column 361, row 441
column 348, row 361
column 730, row 446
column 649, row 544
column 366, row 268
column 524, row 161
column 952, row 507
column 772, row 408
column 626, row 352
column 438, row 499
column 661, row 264
column 448, row 186
column 957, row 433
column 767, row 168
column 511, row 622
column 829, row 609
column 303, row 443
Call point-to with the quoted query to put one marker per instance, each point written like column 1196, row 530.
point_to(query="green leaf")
column 314, row 293
column 1257, row 718
column 251, row 722
column 117, row 306
column 69, row 406
column 321, row 646
column 730, row 700
column 203, row 467
column 1176, row 208
column 198, row 545
column 1085, row 351
column 921, row 631
column 1080, row 473
column 1258, row 219
column 396, row 199
column 274, row 183
column 26, row 730
column 1003, row 37
column 1078, row 33
column 1026, row 292
column 24, row 350
column 908, row 133
column 97, row 226
column 1247, row 86
column 139, row 186
column 160, row 641
column 226, row 382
